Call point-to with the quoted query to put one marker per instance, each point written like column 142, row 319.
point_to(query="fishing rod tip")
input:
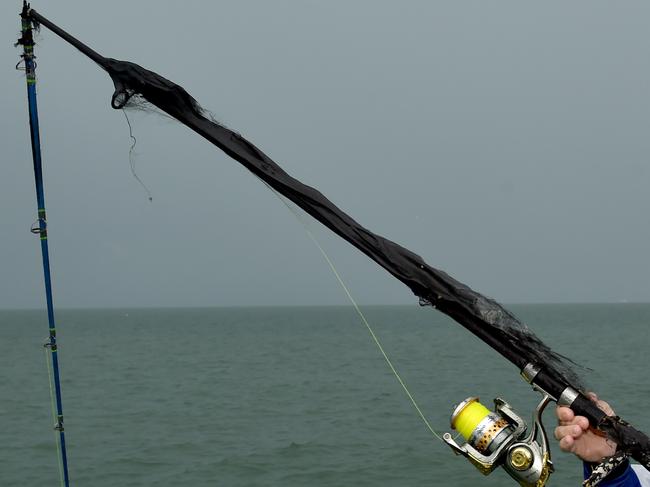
column 27, row 10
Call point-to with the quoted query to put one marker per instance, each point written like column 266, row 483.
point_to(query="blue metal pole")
column 27, row 42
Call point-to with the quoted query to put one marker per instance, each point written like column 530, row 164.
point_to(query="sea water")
column 285, row 396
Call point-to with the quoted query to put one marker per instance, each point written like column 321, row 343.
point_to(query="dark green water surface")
column 284, row 396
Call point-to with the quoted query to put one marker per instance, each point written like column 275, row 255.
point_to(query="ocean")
column 285, row 396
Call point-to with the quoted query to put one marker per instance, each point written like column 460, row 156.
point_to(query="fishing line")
column 357, row 309
column 46, row 347
column 132, row 157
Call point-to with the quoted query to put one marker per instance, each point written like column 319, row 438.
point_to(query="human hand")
column 575, row 435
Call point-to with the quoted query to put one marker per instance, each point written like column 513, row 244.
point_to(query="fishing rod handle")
column 633, row 442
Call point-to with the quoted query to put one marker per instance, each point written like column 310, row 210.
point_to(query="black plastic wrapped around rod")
column 482, row 316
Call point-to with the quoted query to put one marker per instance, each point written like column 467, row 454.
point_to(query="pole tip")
column 27, row 10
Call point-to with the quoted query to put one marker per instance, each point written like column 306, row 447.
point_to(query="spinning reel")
column 502, row 438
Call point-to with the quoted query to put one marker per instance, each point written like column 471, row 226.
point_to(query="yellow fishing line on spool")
column 467, row 416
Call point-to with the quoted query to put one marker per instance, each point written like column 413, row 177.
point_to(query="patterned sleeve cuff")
column 621, row 476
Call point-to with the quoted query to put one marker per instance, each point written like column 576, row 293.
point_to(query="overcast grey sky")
column 504, row 141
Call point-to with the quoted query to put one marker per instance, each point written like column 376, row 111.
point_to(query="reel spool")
column 502, row 438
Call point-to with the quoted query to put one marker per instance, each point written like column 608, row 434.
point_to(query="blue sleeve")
column 627, row 479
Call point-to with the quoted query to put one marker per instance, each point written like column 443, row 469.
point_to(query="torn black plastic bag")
column 482, row 316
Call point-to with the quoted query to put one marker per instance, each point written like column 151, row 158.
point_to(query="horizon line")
column 342, row 305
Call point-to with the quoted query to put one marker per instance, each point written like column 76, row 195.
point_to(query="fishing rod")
column 499, row 438
column 40, row 227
